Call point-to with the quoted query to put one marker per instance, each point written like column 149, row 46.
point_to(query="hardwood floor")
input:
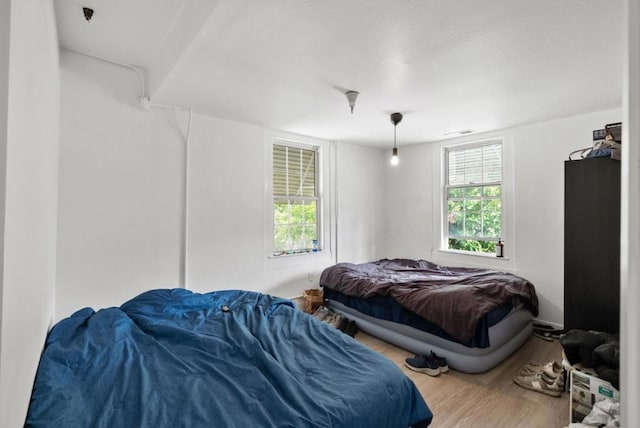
column 490, row 399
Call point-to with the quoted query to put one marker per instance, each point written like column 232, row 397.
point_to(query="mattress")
column 505, row 337
column 455, row 299
column 473, row 317
column 174, row 358
column 386, row 308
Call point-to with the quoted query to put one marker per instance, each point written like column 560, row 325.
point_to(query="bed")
column 473, row 317
column 174, row 358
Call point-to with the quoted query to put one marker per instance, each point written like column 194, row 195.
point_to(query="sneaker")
column 557, row 378
column 552, row 369
column 329, row 318
column 423, row 364
column 540, row 383
column 322, row 313
column 442, row 362
column 335, row 320
column 343, row 324
column 351, row 329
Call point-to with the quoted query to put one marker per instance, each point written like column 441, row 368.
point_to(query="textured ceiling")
column 129, row 31
column 284, row 64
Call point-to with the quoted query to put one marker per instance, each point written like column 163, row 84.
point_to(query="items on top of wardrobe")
column 606, row 143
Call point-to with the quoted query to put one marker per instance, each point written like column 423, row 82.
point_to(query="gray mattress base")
column 505, row 338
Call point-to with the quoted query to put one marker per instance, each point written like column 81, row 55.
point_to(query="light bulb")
column 394, row 157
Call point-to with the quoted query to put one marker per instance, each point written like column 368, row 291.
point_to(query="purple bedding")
column 452, row 298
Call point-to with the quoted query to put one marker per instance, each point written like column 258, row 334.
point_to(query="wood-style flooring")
column 490, row 399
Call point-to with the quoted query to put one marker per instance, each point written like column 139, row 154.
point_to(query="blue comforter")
column 173, row 358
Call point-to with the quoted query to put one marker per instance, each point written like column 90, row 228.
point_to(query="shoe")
column 423, row 364
column 542, row 328
column 351, row 329
column 442, row 362
column 552, row 369
column 330, row 318
column 540, row 383
column 343, row 324
column 335, row 320
column 322, row 313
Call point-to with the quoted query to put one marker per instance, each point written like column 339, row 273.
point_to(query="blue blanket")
column 173, row 358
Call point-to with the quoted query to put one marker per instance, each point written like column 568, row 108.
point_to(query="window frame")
column 444, row 224
column 318, row 198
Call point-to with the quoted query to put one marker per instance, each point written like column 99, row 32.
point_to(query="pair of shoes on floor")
column 322, row 313
column 336, row 320
column 547, row 378
column 347, row 326
column 430, row 364
column 546, row 332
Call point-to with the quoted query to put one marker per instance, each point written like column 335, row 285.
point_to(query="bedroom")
column 119, row 186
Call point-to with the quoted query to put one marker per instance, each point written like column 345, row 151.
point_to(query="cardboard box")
column 585, row 390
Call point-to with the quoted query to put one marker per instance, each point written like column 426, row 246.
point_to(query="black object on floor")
column 352, row 329
column 440, row 361
column 423, row 364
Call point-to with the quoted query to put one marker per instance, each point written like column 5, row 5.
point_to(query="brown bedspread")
column 453, row 298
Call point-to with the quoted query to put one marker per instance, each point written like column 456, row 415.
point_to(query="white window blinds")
column 294, row 171
column 475, row 165
column 473, row 197
column 296, row 203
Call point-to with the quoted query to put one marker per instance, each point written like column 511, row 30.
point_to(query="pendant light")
column 395, row 119
column 351, row 98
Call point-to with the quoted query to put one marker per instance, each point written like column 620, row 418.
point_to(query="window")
column 473, row 196
column 296, row 205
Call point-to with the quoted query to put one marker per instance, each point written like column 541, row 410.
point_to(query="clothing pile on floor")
column 605, row 413
column 336, row 320
column 596, row 350
column 430, row 364
column 546, row 378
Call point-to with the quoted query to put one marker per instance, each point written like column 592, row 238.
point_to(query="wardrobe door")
column 592, row 245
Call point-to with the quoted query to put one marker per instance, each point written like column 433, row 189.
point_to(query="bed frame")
column 505, row 337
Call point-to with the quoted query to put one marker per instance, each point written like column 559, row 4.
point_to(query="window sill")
column 306, row 253
column 310, row 254
column 473, row 254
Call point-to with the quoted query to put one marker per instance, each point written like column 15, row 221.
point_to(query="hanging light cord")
column 394, row 135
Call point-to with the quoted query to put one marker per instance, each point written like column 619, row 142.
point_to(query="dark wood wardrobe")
column 592, row 245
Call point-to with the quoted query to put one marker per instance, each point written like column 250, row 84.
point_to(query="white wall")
column 5, row 26
column 408, row 204
column 360, row 192
column 227, row 220
column 540, row 202
column 30, row 183
column 227, row 245
column 629, row 227
column 535, row 244
column 121, row 198
column 121, row 183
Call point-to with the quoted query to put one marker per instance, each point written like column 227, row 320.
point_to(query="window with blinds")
column 473, row 197
column 295, row 200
